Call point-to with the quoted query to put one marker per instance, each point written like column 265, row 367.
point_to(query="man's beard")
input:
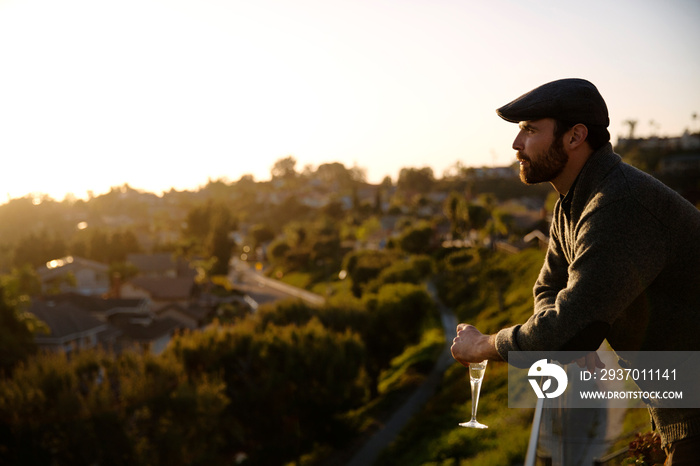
column 546, row 167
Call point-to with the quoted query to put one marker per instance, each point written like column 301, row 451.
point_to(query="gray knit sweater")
column 623, row 264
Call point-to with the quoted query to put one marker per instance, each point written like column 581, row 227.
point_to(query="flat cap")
column 571, row 100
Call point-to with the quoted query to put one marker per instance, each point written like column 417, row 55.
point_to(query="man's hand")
column 590, row 362
column 470, row 345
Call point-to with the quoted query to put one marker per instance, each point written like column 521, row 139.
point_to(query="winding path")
column 369, row 453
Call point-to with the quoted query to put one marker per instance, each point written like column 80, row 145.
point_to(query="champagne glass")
column 476, row 375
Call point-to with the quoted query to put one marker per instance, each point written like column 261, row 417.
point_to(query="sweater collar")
column 596, row 168
column 566, row 199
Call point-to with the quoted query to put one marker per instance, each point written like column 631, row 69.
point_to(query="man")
column 623, row 262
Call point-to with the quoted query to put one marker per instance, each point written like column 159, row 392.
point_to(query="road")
column 266, row 290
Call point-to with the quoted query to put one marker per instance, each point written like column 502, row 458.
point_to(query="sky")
column 165, row 94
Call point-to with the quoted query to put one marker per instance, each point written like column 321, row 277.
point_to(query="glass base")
column 474, row 424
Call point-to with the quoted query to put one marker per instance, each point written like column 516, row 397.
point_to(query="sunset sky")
column 170, row 93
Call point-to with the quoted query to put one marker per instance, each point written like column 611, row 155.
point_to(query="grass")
column 433, row 437
column 298, row 279
column 411, row 366
column 307, row 281
column 406, row 372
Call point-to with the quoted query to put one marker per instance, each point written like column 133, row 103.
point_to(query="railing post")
column 531, row 455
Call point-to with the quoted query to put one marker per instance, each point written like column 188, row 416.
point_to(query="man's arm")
column 553, row 278
column 470, row 345
column 554, row 275
column 617, row 252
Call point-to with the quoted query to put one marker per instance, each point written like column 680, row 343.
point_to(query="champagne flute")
column 476, row 375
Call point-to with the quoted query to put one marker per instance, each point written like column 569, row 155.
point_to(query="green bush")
column 364, row 266
column 413, row 270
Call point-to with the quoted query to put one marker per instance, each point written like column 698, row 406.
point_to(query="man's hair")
column 597, row 137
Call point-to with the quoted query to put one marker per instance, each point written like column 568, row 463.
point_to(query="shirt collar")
column 566, row 199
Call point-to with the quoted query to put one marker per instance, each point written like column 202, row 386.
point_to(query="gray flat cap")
column 571, row 100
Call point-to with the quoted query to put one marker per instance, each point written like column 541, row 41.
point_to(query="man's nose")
column 518, row 142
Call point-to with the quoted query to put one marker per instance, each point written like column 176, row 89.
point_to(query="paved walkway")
column 263, row 289
column 369, row 453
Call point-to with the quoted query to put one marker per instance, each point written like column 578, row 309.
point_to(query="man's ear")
column 576, row 136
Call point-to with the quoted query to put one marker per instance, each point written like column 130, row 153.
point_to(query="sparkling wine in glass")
column 476, row 375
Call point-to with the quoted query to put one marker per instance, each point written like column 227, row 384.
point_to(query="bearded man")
column 623, row 261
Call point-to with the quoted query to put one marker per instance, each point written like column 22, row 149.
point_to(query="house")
column 198, row 314
column 78, row 321
column 315, row 200
column 192, row 316
column 71, row 327
column 160, row 265
column 100, row 307
column 537, row 238
column 74, row 274
column 160, row 291
column 145, row 331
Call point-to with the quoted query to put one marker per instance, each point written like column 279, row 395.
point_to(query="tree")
column 98, row 246
column 93, row 408
column 284, row 168
column 477, row 216
column 17, row 329
column 291, row 209
column 386, row 183
column 277, row 252
column 261, row 234
column 335, row 175
column 121, row 244
column 206, row 232
column 417, row 239
column 202, row 219
column 296, row 234
column 334, row 210
column 416, row 180
column 402, row 304
column 458, row 278
column 454, row 209
column 365, row 265
column 414, row 270
column 218, row 244
column 21, row 284
column 218, row 189
column 287, row 383
column 37, row 249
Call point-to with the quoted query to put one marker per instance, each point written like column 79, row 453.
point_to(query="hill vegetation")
column 291, row 383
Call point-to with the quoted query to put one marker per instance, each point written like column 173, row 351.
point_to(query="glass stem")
column 476, row 388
